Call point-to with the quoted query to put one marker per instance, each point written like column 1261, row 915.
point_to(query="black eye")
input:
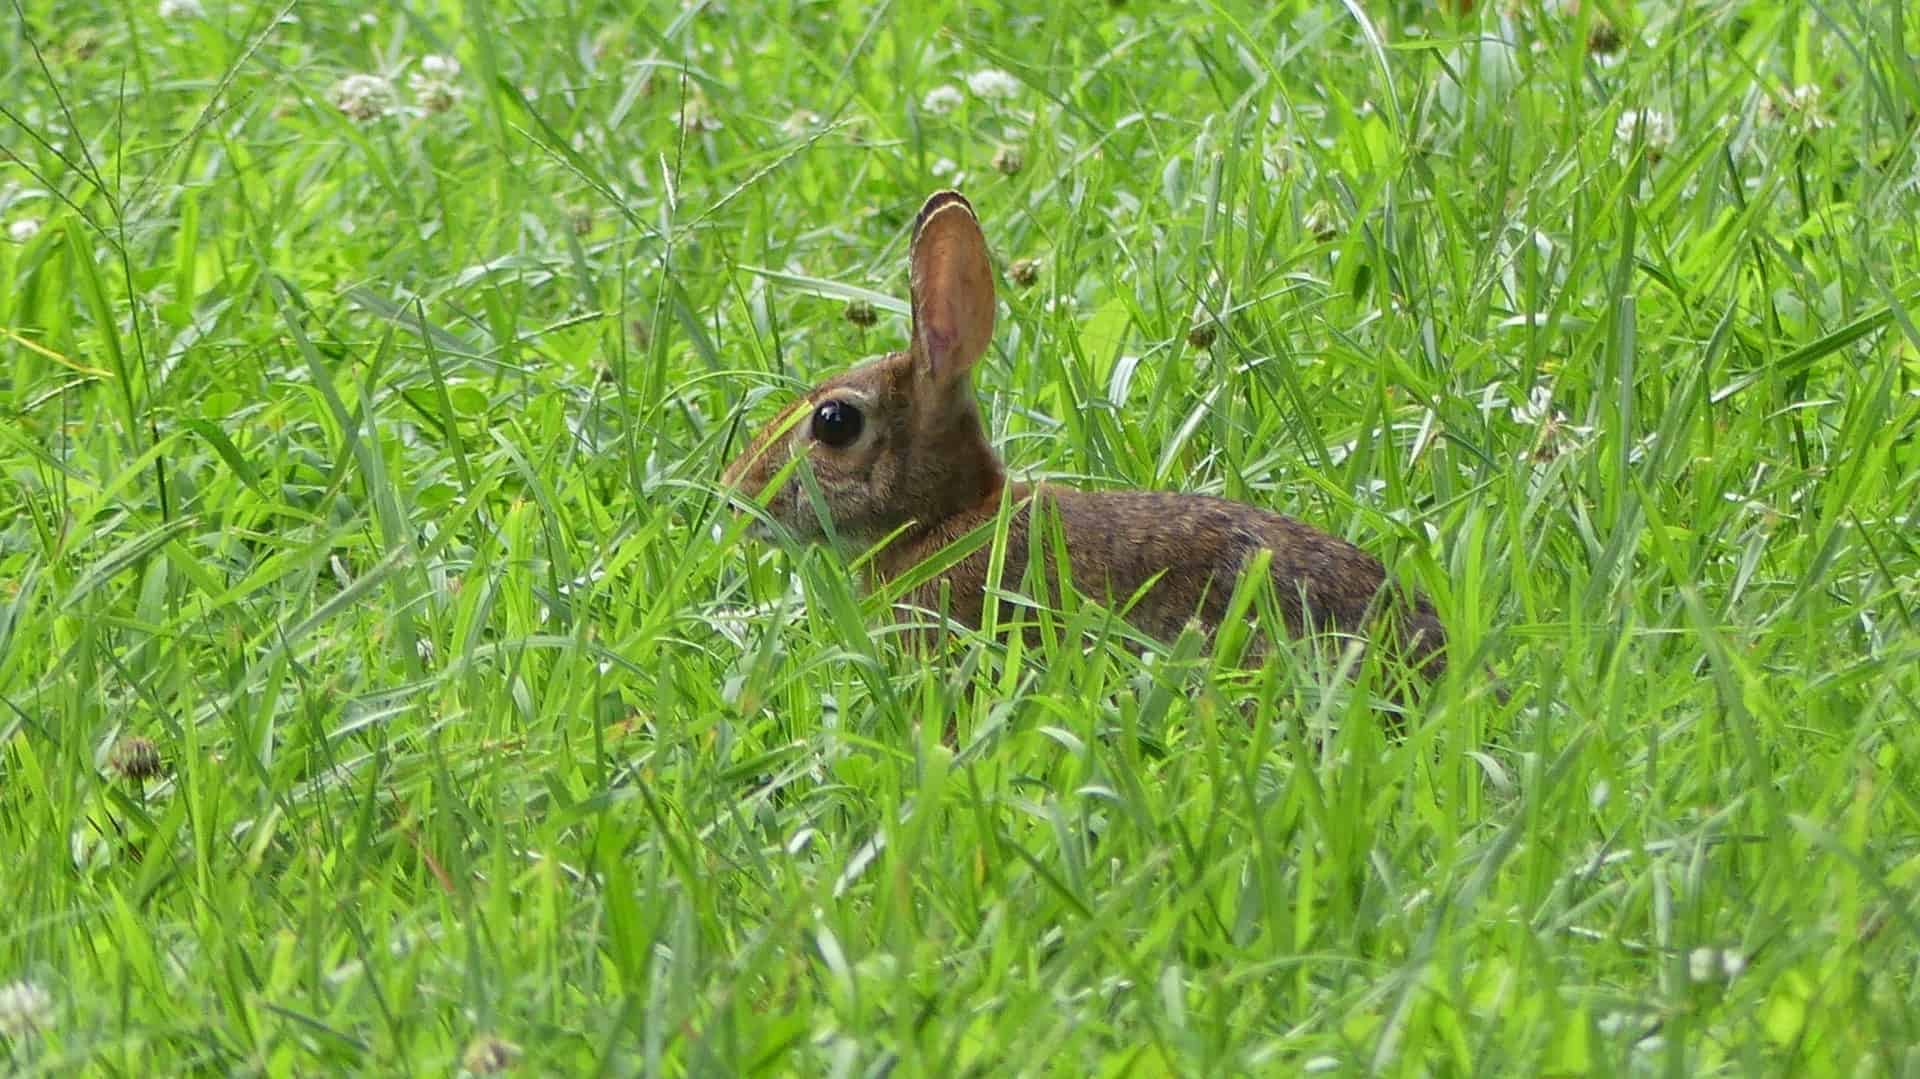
column 837, row 424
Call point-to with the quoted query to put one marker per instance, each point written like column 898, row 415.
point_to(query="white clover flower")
column 489, row 1055
column 1701, row 963
column 697, row 115
column 993, row 83
column 25, row 1008
column 942, row 100
column 1538, row 406
column 1276, row 161
column 363, row 97
column 801, row 122
column 174, row 10
column 1651, row 127
column 1706, row 964
column 1321, row 223
column 366, row 20
column 944, row 167
column 432, row 82
column 1799, row 105
column 24, row 229
column 1555, row 434
column 435, row 96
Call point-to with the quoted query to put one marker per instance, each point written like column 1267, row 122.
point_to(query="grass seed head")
column 860, row 313
column 136, row 758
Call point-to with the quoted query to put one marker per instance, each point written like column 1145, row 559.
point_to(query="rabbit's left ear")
column 951, row 285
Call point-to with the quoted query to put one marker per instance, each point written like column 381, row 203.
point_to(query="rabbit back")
column 1193, row 548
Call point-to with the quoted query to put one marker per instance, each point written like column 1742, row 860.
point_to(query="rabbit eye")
column 837, row 424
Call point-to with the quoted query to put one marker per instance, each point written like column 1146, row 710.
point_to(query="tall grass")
column 389, row 690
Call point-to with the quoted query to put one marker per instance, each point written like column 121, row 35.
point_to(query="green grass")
column 366, row 469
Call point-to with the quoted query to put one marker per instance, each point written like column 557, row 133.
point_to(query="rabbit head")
column 895, row 442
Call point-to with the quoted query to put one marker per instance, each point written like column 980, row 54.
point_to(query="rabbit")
column 896, row 445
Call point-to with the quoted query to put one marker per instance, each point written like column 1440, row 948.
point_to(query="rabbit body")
column 896, row 447
column 1186, row 551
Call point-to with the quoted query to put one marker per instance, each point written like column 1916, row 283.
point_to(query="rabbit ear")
column 951, row 285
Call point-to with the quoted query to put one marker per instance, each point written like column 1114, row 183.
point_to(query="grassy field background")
column 387, row 689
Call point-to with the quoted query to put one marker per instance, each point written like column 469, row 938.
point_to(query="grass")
column 388, row 691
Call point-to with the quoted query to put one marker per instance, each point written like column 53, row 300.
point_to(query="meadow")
column 389, row 689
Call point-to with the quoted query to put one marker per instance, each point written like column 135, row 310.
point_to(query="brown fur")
column 923, row 466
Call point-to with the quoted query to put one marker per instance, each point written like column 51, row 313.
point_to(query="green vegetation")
column 388, row 690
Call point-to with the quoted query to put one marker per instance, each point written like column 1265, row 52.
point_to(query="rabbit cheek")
column 751, row 471
column 853, row 481
column 838, row 471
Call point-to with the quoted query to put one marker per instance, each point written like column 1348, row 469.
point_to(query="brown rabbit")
column 896, row 445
